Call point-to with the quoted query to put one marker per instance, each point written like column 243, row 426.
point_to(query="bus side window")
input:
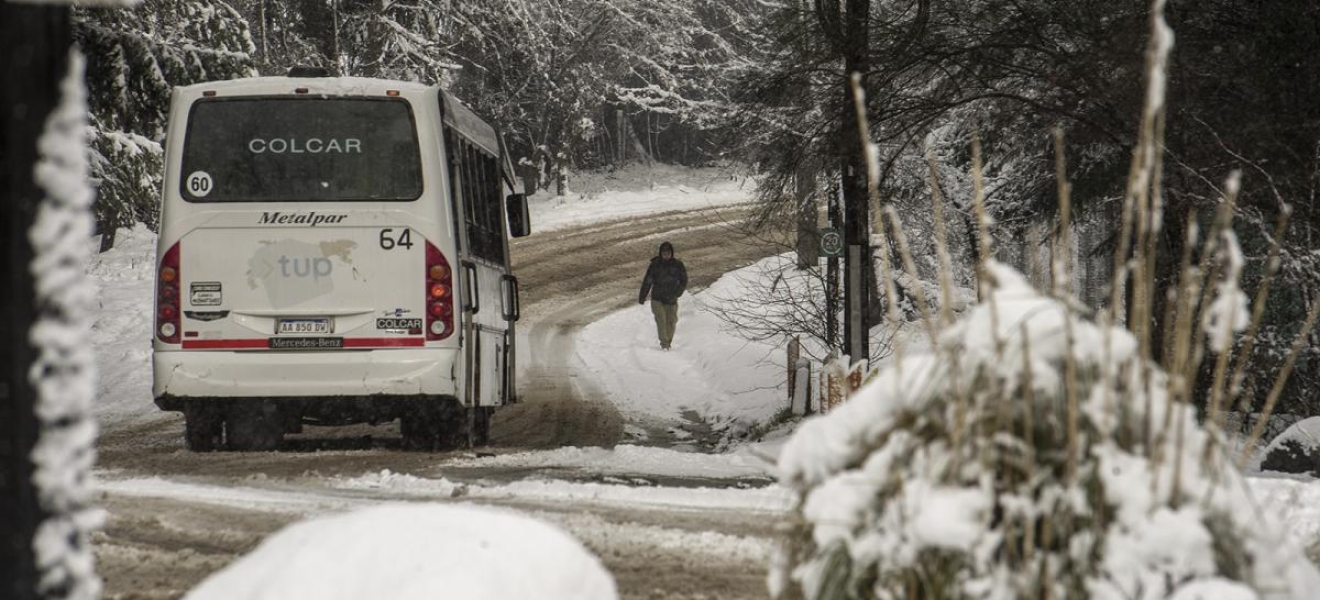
column 479, row 187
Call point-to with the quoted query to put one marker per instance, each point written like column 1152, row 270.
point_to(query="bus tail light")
column 168, row 323
column 439, row 295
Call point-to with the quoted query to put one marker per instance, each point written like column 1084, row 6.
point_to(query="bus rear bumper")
column 395, row 372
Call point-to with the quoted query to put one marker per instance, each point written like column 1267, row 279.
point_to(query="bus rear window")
column 301, row 150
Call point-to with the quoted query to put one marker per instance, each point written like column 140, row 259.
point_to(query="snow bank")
column 957, row 466
column 414, row 551
column 122, row 331
column 711, row 371
column 1296, row 450
column 1305, row 434
column 628, row 460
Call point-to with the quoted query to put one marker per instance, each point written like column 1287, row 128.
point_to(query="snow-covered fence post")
column 836, row 387
column 35, row 40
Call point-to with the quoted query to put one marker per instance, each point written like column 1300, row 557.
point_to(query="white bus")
column 333, row 251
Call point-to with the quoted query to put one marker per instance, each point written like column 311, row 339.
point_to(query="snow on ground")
column 628, row 460
column 420, row 551
column 636, row 190
column 710, row 371
column 121, row 334
column 1294, row 502
column 346, row 494
column 771, row 499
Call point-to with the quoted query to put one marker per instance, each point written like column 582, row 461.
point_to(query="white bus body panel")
column 267, row 269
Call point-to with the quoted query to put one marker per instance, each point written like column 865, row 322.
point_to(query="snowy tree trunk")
column 338, row 61
column 63, row 371
column 44, row 552
column 261, row 18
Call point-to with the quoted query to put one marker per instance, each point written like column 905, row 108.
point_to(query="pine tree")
column 135, row 58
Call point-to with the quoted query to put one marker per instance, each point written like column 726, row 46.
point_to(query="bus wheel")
column 203, row 425
column 253, row 425
column 433, row 425
column 480, row 435
column 422, row 426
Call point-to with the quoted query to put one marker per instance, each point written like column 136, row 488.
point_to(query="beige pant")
column 666, row 319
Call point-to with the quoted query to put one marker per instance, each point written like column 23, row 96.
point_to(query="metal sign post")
column 831, row 242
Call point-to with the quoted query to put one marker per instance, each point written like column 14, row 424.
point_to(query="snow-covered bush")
column 408, row 551
column 1296, row 450
column 1030, row 455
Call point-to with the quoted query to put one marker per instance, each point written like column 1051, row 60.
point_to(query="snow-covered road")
column 666, row 521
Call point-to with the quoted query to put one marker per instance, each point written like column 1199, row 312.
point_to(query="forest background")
column 756, row 86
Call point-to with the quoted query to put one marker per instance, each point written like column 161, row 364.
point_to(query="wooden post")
column 794, row 351
column 35, row 40
column 802, row 393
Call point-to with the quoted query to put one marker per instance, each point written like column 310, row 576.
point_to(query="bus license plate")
column 304, row 326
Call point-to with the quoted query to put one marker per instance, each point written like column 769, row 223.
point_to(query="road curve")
column 160, row 547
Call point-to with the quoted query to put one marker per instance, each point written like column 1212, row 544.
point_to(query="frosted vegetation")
column 1031, row 454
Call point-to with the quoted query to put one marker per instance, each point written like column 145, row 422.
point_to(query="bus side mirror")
column 520, row 221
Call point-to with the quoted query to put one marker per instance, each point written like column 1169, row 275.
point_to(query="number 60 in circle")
column 199, row 183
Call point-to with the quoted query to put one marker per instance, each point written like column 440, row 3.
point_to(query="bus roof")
column 464, row 120
column 338, row 86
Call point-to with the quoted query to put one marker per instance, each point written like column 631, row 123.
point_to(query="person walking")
column 665, row 280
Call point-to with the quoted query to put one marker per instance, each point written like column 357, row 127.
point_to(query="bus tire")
column 203, row 426
column 481, row 425
column 253, row 425
column 418, row 428
column 431, row 426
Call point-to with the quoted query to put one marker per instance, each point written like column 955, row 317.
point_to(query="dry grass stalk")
column 1061, row 276
column 1061, row 265
column 1033, row 262
column 909, row 265
column 984, row 245
column 946, row 292
column 1258, row 308
column 1225, row 220
column 873, row 193
column 941, row 244
column 982, row 219
column 1170, row 317
column 1029, row 436
column 1176, row 387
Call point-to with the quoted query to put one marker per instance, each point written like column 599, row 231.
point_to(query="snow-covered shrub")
column 1030, row 455
column 1296, row 450
column 410, row 551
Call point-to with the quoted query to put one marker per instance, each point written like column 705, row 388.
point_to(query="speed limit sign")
column 831, row 242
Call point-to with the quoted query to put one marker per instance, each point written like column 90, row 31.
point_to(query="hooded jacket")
column 665, row 280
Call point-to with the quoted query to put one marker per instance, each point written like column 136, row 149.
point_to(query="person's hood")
column 665, row 246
